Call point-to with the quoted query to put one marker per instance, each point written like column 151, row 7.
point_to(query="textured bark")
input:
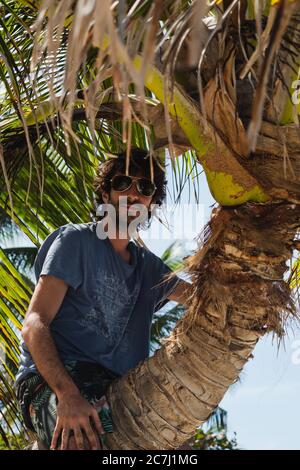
column 239, row 296
column 276, row 163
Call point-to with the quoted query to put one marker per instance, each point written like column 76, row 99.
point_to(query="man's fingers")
column 96, row 420
column 55, row 437
column 92, row 437
column 65, row 439
column 72, row 443
column 79, row 438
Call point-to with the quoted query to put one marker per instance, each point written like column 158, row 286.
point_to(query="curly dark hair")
column 139, row 163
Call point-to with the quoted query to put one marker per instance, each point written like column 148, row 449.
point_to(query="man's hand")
column 75, row 413
column 182, row 293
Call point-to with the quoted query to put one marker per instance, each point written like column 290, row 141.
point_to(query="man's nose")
column 133, row 191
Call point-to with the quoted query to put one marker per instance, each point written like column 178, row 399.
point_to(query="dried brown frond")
column 281, row 20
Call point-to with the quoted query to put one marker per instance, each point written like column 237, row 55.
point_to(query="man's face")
column 121, row 201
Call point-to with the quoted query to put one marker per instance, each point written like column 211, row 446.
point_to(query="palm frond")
column 280, row 21
column 6, row 226
column 165, row 319
column 162, row 324
column 22, row 257
column 217, row 421
column 14, row 299
column 11, row 424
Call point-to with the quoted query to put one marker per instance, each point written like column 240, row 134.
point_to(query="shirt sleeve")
column 162, row 284
column 64, row 257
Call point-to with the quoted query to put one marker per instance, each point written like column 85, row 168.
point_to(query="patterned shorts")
column 38, row 402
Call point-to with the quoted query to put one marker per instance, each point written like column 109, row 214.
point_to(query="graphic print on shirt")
column 112, row 307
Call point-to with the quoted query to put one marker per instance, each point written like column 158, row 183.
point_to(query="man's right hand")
column 75, row 413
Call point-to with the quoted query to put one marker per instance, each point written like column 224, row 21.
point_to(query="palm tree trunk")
column 239, row 295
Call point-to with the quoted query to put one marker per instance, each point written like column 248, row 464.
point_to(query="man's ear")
column 105, row 197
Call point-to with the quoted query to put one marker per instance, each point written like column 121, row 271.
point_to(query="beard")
column 125, row 222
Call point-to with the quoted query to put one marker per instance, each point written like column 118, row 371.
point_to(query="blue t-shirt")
column 106, row 314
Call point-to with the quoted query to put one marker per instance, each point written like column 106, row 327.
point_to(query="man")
column 90, row 315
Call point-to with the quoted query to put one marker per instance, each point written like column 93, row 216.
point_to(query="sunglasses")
column 123, row 183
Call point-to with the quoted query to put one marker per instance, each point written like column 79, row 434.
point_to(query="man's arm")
column 181, row 293
column 73, row 411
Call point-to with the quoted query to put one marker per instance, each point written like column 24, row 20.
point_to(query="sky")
column 263, row 407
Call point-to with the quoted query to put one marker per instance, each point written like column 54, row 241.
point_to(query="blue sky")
column 263, row 408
